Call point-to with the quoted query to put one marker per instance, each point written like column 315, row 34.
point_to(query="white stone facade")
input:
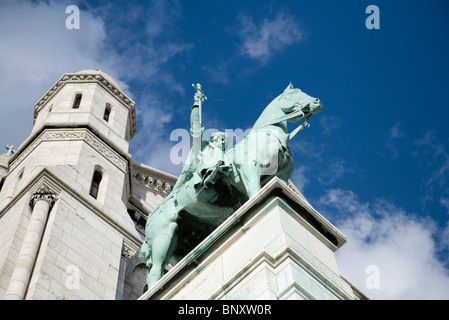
column 76, row 246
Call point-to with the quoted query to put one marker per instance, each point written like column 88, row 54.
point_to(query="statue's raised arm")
column 196, row 126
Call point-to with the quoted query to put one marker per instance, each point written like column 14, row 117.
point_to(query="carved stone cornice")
column 106, row 84
column 149, row 182
column 127, row 252
column 71, row 135
column 43, row 193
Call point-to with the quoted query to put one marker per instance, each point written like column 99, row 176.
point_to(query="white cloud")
column 445, row 237
column 261, row 40
column 435, row 162
column 299, row 177
column 36, row 49
column 144, row 36
column 399, row 244
column 330, row 124
column 393, row 134
column 444, row 202
column 153, row 145
column 155, row 51
column 311, row 148
column 219, row 72
column 335, row 170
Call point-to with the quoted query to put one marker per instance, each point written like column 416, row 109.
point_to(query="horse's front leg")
column 250, row 175
column 162, row 248
column 163, row 245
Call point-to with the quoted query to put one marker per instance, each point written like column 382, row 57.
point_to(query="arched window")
column 77, row 101
column 95, row 185
column 107, row 112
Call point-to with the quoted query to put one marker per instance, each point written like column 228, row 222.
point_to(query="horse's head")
column 292, row 105
column 296, row 104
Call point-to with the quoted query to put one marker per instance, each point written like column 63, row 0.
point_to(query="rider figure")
column 206, row 157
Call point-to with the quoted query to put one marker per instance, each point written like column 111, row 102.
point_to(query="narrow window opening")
column 76, row 103
column 95, row 186
column 107, row 112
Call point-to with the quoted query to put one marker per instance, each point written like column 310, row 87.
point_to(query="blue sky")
column 375, row 161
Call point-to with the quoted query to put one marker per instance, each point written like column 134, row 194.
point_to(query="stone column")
column 41, row 203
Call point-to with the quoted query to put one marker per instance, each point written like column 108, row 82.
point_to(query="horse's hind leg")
column 162, row 248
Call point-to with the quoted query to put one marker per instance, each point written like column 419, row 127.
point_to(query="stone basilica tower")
column 72, row 201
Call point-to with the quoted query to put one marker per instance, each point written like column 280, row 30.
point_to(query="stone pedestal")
column 276, row 246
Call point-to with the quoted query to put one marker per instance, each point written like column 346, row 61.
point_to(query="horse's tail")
column 144, row 253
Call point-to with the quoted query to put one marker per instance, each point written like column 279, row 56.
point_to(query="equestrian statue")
column 215, row 181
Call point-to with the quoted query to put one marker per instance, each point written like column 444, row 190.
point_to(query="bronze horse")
column 214, row 182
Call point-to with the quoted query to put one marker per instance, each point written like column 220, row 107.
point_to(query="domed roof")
column 104, row 75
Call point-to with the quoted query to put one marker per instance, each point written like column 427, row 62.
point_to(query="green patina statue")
column 214, row 182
